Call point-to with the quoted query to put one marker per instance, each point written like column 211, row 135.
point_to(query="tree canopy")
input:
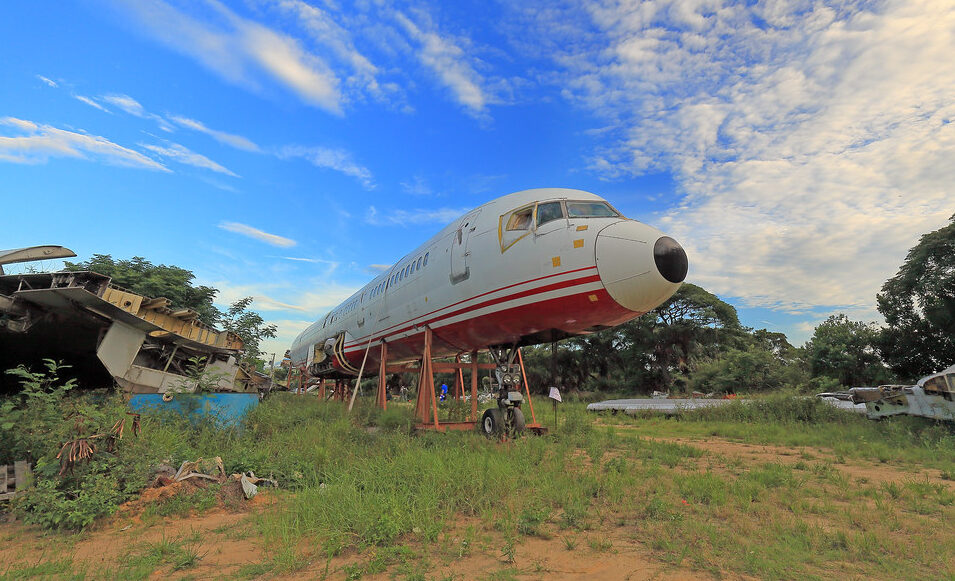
column 918, row 304
column 145, row 278
column 844, row 350
column 174, row 283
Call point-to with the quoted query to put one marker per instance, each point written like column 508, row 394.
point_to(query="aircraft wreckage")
column 932, row 397
column 103, row 331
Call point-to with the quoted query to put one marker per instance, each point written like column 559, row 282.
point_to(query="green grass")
column 355, row 503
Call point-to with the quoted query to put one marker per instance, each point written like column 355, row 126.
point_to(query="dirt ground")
column 229, row 544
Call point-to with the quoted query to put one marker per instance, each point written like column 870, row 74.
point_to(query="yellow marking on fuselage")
column 579, row 243
column 581, row 228
column 555, row 261
column 593, row 298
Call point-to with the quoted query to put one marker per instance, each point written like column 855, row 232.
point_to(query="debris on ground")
column 15, row 479
column 211, row 469
column 250, row 483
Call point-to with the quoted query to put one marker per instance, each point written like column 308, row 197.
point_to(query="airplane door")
column 383, row 301
column 459, row 247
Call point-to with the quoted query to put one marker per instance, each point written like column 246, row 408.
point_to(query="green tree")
column 248, row 325
column 143, row 277
column 918, row 304
column 845, row 350
column 691, row 323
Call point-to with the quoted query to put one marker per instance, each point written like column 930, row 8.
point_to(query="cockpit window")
column 590, row 210
column 519, row 220
column 548, row 212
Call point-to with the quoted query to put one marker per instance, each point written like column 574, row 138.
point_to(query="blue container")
column 227, row 408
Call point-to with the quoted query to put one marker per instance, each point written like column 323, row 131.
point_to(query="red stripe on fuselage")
column 490, row 302
column 513, row 321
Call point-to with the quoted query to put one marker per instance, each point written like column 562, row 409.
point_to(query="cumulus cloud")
column 322, row 28
column 182, row 154
column 38, row 143
column 257, row 234
column 335, row 159
column 239, row 50
column 811, row 141
column 230, row 139
column 448, row 61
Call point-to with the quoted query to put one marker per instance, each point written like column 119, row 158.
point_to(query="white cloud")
column 38, row 143
column 230, row 139
column 449, row 62
column 49, row 82
column 414, row 217
column 418, row 186
column 181, row 154
column 325, row 32
column 320, row 299
column 257, row 234
column 240, row 51
column 379, row 267
column 812, row 141
column 134, row 108
column 334, row 159
column 126, row 103
column 91, row 103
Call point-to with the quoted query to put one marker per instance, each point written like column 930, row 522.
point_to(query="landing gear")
column 507, row 419
column 492, row 423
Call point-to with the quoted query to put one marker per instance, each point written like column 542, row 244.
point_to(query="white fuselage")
column 525, row 268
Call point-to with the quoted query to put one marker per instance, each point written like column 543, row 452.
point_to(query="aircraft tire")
column 492, row 422
column 518, row 422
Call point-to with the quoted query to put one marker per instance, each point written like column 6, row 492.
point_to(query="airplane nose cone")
column 638, row 265
column 670, row 259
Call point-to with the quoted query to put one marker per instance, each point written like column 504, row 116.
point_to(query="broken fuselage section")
column 107, row 333
column 932, row 397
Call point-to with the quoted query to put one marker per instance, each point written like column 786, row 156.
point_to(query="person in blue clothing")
column 444, row 392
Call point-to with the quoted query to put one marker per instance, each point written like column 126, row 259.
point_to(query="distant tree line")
column 695, row 342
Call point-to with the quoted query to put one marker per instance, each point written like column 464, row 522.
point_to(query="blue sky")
column 287, row 149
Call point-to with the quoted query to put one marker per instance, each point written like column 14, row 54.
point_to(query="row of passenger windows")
column 398, row 276
column 342, row 312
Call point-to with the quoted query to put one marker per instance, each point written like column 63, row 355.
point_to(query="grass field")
column 787, row 488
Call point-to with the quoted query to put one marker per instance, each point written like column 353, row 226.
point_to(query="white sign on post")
column 555, row 394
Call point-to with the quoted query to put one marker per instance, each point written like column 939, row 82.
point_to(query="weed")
column 703, row 488
column 570, row 543
column 530, row 520
column 600, row 544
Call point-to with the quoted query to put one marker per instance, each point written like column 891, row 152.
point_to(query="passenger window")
column 426, row 258
column 549, row 212
column 419, row 263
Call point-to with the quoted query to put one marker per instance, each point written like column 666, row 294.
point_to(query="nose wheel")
column 508, row 422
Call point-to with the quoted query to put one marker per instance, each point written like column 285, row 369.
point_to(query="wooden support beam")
column 474, row 385
column 446, row 366
column 527, row 388
column 426, row 404
column 457, row 391
column 382, row 400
